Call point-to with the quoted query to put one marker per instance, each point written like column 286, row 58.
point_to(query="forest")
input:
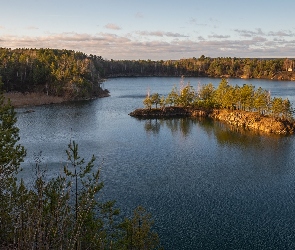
column 281, row 69
column 55, row 72
column 75, row 74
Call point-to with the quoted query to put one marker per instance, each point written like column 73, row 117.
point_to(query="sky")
column 152, row 29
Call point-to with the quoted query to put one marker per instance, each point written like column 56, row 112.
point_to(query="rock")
column 254, row 121
column 248, row 120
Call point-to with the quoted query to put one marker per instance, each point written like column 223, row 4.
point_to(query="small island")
column 239, row 106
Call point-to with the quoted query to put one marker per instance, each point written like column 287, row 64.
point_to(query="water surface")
column 207, row 185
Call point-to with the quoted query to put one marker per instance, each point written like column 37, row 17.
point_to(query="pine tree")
column 138, row 233
column 11, row 153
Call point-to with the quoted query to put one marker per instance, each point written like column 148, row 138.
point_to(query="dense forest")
column 55, row 72
column 281, row 69
column 76, row 75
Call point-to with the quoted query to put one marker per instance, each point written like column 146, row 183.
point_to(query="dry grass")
column 32, row 99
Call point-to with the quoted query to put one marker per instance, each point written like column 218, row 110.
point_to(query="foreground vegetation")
column 63, row 212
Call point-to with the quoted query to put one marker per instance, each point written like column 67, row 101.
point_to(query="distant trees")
column 75, row 74
column 203, row 66
column 229, row 97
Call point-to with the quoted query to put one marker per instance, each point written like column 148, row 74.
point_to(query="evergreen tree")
column 173, row 97
column 220, row 94
column 137, row 232
column 187, row 96
column 11, row 153
column 246, row 94
column 148, row 102
column 155, row 98
column 260, row 101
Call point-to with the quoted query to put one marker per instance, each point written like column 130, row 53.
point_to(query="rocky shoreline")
column 248, row 120
column 254, row 121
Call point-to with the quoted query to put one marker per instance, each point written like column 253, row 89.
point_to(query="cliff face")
column 254, row 121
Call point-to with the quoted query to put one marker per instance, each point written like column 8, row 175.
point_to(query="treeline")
column 62, row 212
column 225, row 96
column 52, row 71
column 204, row 66
column 75, row 74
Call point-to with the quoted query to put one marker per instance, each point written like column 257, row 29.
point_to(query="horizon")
column 77, row 51
column 165, row 30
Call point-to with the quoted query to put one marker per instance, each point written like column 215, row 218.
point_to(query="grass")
column 31, row 99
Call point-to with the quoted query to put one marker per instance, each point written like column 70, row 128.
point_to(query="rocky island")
column 238, row 106
column 247, row 120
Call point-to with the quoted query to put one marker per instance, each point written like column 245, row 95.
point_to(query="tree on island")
column 226, row 96
column 155, row 99
column 148, row 102
column 172, row 98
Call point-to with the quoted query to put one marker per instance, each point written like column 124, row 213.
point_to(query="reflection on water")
column 183, row 125
column 152, row 125
column 224, row 133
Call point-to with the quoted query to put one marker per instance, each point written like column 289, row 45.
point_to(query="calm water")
column 208, row 186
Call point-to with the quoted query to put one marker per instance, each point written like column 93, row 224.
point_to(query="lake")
column 207, row 185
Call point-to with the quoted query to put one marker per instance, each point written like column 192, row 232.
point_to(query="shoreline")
column 245, row 119
column 21, row 100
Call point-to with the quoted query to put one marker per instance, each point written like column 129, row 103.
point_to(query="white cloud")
column 112, row 26
column 281, row 33
column 219, row 36
column 159, row 34
column 32, row 28
column 250, row 33
column 113, row 46
column 259, row 32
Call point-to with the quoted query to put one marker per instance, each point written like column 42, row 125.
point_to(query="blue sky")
column 154, row 29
